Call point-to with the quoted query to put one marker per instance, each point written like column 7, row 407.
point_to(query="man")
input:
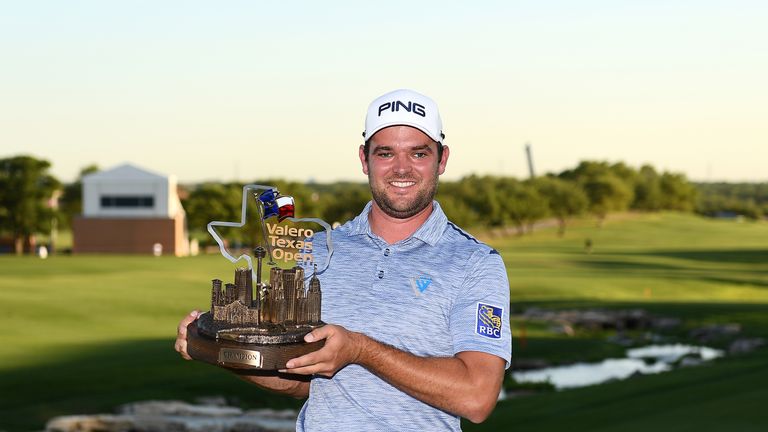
column 418, row 332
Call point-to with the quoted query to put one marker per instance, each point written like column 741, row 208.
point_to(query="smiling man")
column 418, row 310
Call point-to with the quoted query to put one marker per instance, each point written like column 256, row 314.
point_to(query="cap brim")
column 369, row 134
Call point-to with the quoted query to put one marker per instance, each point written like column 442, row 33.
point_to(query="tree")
column 676, row 192
column 647, row 190
column 212, row 202
column 606, row 193
column 565, row 199
column 26, row 189
column 344, row 202
column 71, row 201
column 482, row 196
column 457, row 210
column 609, row 188
column 522, row 203
column 625, row 173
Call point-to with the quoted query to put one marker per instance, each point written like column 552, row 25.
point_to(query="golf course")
column 85, row 333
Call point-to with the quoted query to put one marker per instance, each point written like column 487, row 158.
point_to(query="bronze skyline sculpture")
column 284, row 300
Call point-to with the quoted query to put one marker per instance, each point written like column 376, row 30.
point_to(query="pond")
column 644, row 360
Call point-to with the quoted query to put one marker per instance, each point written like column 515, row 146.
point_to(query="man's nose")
column 402, row 164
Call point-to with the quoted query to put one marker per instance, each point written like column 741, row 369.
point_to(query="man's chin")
column 402, row 206
column 402, row 210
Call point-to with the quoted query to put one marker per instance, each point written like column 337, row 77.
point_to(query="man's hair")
column 367, row 148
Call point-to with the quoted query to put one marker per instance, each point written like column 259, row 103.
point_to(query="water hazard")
column 651, row 359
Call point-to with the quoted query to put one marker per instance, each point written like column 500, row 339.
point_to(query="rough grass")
column 86, row 333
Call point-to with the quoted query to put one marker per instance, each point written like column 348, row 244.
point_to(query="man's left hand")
column 342, row 347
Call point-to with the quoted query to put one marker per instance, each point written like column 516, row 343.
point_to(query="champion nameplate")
column 240, row 356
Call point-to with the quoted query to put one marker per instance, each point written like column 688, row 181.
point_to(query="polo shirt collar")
column 429, row 232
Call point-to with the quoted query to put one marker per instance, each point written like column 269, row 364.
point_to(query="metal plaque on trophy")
column 259, row 320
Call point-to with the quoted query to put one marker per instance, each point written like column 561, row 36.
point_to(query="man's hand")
column 181, row 334
column 342, row 347
column 280, row 384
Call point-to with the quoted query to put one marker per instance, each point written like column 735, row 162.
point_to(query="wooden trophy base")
column 240, row 352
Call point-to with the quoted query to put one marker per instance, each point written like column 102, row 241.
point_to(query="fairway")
column 87, row 333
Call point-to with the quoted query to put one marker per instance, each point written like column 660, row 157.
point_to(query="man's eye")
column 384, row 154
column 420, row 155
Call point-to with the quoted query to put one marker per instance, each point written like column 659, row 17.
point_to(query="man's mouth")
column 402, row 184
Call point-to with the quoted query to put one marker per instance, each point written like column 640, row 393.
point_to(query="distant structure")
column 284, row 301
column 128, row 209
column 529, row 155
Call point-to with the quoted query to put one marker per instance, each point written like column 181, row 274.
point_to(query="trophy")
column 260, row 319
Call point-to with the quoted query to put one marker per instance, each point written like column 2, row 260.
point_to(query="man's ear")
column 444, row 161
column 362, row 159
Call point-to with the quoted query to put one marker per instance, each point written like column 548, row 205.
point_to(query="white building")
column 127, row 209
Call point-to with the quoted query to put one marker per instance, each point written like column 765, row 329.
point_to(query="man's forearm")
column 447, row 383
column 466, row 384
column 298, row 388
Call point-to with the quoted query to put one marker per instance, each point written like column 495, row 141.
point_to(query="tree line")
column 749, row 200
column 28, row 193
column 597, row 188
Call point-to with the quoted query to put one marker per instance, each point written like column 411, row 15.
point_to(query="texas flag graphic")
column 276, row 205
column 284, row 207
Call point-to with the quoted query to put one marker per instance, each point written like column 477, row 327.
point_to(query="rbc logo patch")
column 488, row 321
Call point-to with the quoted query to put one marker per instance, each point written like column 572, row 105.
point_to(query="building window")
column 127, row 201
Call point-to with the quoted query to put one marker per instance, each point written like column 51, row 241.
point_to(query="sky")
column 244, row 90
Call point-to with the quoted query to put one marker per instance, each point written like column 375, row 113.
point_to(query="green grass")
column 702, row 271
column 679, row 258
column 727, row 396
column 83, row 334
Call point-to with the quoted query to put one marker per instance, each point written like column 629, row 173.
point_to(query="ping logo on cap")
column 488, row 322
column 395, row 106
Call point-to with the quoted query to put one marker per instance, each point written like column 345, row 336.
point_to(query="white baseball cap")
column 404, row 107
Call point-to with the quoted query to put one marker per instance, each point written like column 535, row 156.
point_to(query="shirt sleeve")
column 479, row 319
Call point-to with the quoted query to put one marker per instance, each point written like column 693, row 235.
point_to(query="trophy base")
column 231, row 354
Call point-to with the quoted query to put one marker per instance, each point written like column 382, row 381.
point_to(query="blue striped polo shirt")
column 437, row 293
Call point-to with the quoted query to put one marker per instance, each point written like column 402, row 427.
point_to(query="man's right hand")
column 181, row 334
column 295, row 386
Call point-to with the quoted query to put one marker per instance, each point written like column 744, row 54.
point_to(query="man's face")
column 402, row 170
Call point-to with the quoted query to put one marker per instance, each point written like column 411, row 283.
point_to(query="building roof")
column 125, row 171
